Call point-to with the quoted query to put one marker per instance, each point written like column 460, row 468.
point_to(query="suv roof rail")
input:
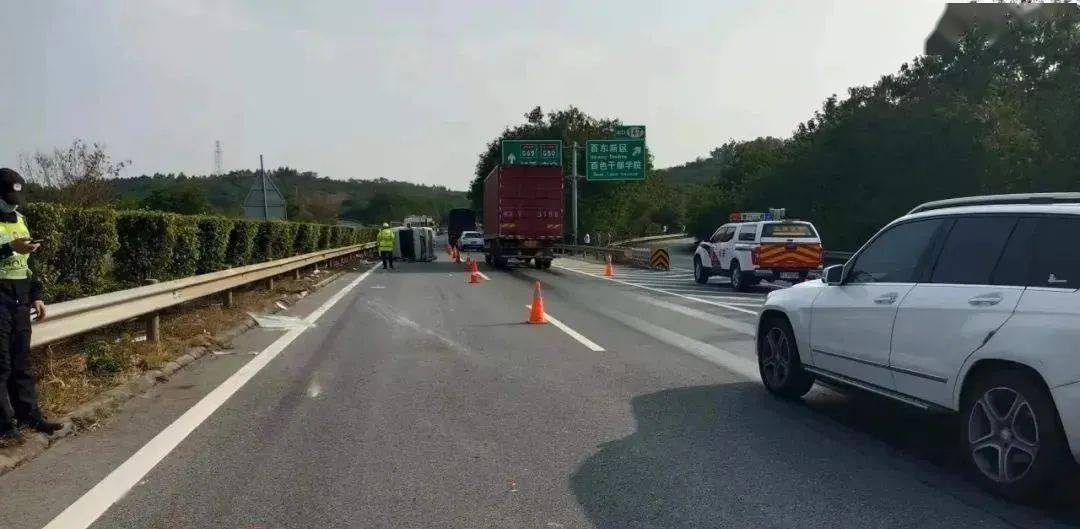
column 986, row 200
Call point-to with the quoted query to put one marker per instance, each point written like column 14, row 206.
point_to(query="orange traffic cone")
column 608, row 270
column 474, row 274
column 536, row 311
column 475, row 267
column 457, row 256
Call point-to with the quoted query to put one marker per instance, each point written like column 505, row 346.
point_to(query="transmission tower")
column 217, row 157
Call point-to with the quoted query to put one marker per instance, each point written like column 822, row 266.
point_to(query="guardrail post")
column 296, row 274
column 227, row 300
column 152, row 320
column 270, row 283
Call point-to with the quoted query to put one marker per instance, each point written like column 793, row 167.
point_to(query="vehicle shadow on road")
column 732, row 456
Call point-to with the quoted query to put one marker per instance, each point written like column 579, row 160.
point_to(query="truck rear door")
column 531, row 202
column 789, row 245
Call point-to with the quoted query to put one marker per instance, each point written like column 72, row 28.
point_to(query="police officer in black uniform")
column 20, row 294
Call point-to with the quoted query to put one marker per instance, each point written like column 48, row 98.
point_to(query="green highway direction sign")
column 633, row 132
column 618, row 159
column 532, row 152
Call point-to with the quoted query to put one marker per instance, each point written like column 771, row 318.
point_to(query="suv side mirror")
column 833, row 275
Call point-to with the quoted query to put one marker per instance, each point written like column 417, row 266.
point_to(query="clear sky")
column 412, row 90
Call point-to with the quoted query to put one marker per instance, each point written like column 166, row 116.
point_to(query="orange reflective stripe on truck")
column 781, row 255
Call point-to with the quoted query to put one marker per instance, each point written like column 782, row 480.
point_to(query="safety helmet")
column 386, row 224
column 11, row 186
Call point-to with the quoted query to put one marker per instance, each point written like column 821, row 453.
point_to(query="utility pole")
column 217, row 157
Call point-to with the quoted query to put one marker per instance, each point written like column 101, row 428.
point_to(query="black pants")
column 387, row 259
column 19, row 402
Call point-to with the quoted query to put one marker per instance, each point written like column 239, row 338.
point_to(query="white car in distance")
column 968, row 306
column 471, row 240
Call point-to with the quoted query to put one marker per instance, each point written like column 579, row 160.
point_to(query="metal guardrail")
column 650, row 239
column 618, row 254
column 71, row 318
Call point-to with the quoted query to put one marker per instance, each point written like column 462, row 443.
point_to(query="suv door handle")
column 985, row 300
column 886, row 299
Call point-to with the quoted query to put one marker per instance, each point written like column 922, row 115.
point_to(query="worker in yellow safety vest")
column 20, row 294
column 386, row 246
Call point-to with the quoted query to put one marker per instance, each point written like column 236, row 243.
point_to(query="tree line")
column 85, row 175
column 999, row 115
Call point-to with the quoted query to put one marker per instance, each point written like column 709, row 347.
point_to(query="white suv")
column 964, row 305
column 748, row 252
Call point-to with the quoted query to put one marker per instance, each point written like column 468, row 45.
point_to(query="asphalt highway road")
column 418, row 400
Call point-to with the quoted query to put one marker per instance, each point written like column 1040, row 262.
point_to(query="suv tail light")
column 754, row 255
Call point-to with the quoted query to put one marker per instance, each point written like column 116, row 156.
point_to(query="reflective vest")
column 386, row 240
column 16, row 265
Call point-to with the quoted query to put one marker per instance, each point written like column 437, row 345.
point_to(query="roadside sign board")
column 532, row 152
column 633, row 132
column 617, row 159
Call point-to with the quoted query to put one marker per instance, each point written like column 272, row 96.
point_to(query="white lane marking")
column 88, row 508
column 573, row 334
column 728, row 323
column 718, row 296
column 676, row 294
column 671, row 281
column 739, row 365
column 486, row 278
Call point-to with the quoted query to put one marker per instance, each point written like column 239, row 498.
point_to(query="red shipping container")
column 524, row 202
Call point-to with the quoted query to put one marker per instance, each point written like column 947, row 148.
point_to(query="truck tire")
column 1008, row 412
column 487, row 258
column 547, row 264
column 500, row 262
column 538, row 263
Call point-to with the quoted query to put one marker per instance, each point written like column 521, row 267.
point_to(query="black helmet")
column 11, row 186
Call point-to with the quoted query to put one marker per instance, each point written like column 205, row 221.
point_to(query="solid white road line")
column 707, row 317
column 571, row 332
column 486, row 278
column 676, row 294
column 88, row 508
column 716, row 295
column 740, row 365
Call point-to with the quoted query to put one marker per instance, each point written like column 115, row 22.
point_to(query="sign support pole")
column 573, row 190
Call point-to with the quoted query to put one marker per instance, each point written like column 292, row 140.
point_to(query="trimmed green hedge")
column 214, row 236
column 326, row 236
column 73, row 261
column 241, row 242
column 92, row 251
column 187, row 250
column 147, row 240
column 307, row 239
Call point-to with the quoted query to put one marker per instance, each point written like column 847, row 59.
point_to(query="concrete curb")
column 87, row 415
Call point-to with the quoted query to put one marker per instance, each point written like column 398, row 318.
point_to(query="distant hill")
column 309, row 196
